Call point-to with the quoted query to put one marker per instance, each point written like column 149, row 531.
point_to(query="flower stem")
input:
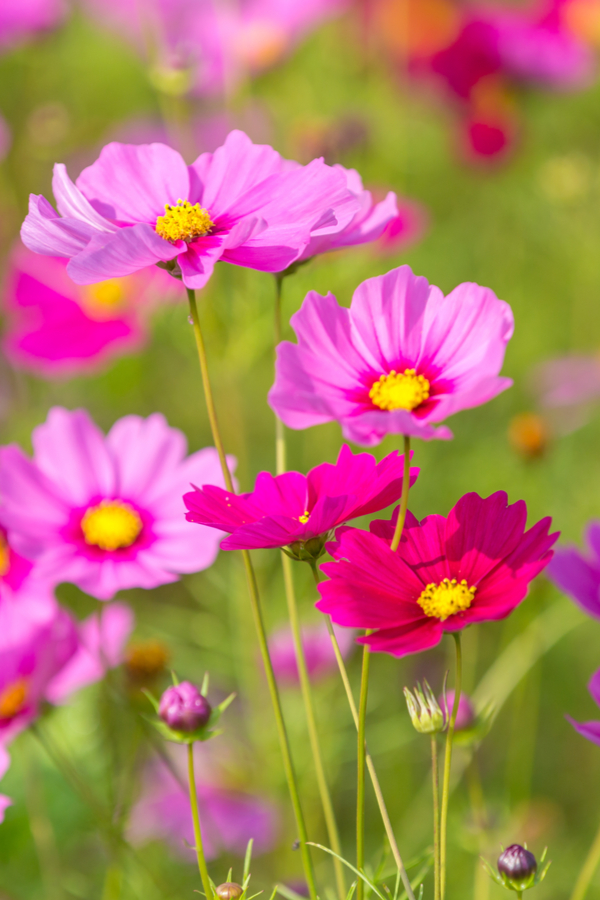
column 587, row 872
column 436, row 816
column 360, row 771
column 447, row 764
column 197, row 831
column 280, row 455
column 313, row 733
column 256, row 611
column 404, row 497
column 387, row 824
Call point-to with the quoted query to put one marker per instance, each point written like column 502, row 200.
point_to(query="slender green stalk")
column 436, row 816
column 197, row 830
column 404, row 497
column 447, row 764
column 313, row 733
column 387, row 824
column 280, row 454
column 113, row 882
column 587, row 872
column 41, row 826
column 256, row 611
column 360, row 770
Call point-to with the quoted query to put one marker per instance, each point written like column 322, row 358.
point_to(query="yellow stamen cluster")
column 146, row 659
column 446, row 598
column 105, row 296
column 183, row 222
column 304, row 517
column 13, row 698
column 4, row 556
column 400, row 390
column 111, row 525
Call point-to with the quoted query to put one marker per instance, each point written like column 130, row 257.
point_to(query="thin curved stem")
column 448, row 762
column 197, row 830
column 280, row 454
column 404, row 497
column 435, row 779
column 256, row 612
column 360, row 770
column 587, row 872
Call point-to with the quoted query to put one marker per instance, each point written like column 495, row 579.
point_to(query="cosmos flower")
column 473, row 566
column 590, row 730
column 578, row 574
column 404, row 230
column 21, row 19
column 105, row 512
column 57, row 328
column 229, row 817
column 400, row 360
column 141, row 205
column 318, row 652
column 298, row 511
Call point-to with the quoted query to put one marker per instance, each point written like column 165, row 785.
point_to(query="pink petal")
column 122, row 253
column 413, row 637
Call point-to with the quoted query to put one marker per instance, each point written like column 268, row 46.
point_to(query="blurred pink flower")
column 106, row 512
column 229, row 818
column 567, row 381
column 21, row 19
column 577, row 573
column 139, row 205
column 400, row 360
column 58, row 329
column 590, row 730
column 320, row 658
column 466, row 713
column 14, row 568
column 405, row 229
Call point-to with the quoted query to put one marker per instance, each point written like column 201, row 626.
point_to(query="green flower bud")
column 424, row 710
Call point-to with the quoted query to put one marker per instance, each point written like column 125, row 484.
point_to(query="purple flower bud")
column 517, row 867
column 183, row 708
column 229, row 890
column 465, row 715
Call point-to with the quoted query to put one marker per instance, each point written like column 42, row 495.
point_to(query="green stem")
column 113, row 882
column 404, row 497
column 313, row 733
column 256, row 611
column 587, row 872
column 436, row 816
column 197, row 830
column 360, row 771
column 447, row 764
column 387, row 824
column 280, row 454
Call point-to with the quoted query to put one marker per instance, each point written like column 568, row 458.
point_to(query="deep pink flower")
column 298, row 511
column 401, row 359
column 578, row 574
column 590, row 730
column 465, row 716
column 4, row 766
column 474, row 566
column 58, row 328
column 408, row 227
column 229, row 817
column 318, row 652
column 20, row 19
column 105, row 512
column 141, row 205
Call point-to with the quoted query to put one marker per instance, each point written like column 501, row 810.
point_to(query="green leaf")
column 248, row 860
column 350, row 866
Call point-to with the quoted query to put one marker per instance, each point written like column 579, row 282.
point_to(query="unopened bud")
column 183, row 708
column 229, row 890
column 424, row 710
column 308, row 550
column 517, row 867
column 465, row 716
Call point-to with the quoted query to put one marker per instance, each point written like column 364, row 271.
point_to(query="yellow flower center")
column 446, row 598
column 13, row 698
column 304, row 517
column 146, row 659
column 111, row 525
column 183, row 222
column 4, row 556
column 400, row 390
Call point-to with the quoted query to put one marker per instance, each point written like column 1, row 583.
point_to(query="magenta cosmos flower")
column 578, row 574
column 106, row 512
column 400, row 360
column 590, row 730
column 57, row 328
column 298, row 511
column 474, row 566
column 141, row 205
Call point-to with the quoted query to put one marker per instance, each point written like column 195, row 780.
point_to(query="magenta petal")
column 121, row 253
column 413, row 637
column 578, row 578
column 71, row 203
column 594, row 686
column 43, row 231
column 198, row 261
column 589, row 730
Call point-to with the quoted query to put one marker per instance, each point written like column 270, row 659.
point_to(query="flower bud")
column 517, row 868
column 465, row 717
column 424, row 710
column 229, row 890
column 183, row 708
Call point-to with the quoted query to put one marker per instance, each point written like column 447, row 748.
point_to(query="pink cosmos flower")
column 57, row 328
column 20, row 19
column 298, row 511
column 320, row 658
column 578, row 574
column 401, row 359
column 4, row 766
column 465, row 716
column 567, row 381
column 141, row 205
column 14, row 568
column 229, row 817
column 105, row 512
column 590, row 730
column 474, row 566
column 406, row 229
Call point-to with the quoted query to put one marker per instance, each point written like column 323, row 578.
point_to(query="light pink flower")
column 400, row 360
column 20, row 19
column 243, row 204
column 57, row 328
column 106, row 513
column 229, row 817
column 318, row 651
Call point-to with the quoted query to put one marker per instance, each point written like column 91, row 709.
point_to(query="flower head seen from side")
column 578, row 574
column 105, row 512
column 141, row 205
column 299, row 511
column 448, row 573
column 402, row 359
column 590, row 730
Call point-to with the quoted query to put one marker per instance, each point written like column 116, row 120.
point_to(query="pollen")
column 400, row 390
column 446, row 598
column 13, row 698
column 183, row 222
column 304, row 517
column 4, row 556
column 111, row 525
